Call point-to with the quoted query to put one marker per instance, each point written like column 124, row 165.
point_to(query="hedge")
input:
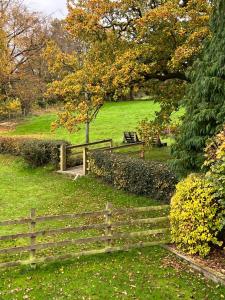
column 149, row 178
column 34, row 151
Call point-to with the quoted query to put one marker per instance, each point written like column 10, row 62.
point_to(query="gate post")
column 62, row 157
column 85, row 160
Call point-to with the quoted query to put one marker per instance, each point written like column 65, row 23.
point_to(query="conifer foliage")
column 205, row 100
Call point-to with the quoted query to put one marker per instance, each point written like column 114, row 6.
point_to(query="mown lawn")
column 112, row 120
column 150, row 273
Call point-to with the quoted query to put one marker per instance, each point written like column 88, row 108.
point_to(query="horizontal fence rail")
column 84, row 149
column 108, row 225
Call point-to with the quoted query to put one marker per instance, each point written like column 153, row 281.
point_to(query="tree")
column 142, row 43
column 79, row 87
column 205, row 100
column 24, row 35
column 129, row 45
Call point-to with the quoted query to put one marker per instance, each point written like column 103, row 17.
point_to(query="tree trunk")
column 87, row 134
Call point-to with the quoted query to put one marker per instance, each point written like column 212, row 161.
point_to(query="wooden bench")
column 130, row 138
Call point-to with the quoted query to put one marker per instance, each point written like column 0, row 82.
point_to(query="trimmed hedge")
column 150, row 178
column 35, row 152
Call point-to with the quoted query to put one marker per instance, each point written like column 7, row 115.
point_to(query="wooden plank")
column 84, row 253
column 90, row 144
column 124, row 146
column 140, row 221
column 125, row 235
column 55, row 244
column 115, row 236
column 71, row 216
column 84, row 214
column 15, row 222
column 52, row 232
column 54, row 217
column 140, row 209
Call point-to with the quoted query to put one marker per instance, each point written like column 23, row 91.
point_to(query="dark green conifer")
column 205, row 99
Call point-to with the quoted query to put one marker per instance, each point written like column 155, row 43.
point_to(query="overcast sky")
column 55, row 8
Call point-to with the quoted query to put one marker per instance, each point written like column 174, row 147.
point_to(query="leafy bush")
column 196, row 216
column 215, row 161
column 35, row 152
column 134, row 175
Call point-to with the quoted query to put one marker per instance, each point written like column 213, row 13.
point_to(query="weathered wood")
column 85, row 163
column 124, row 146
column 121, row 235
column 33, row 236
column 89, row 144
column 84, row 253
column 53, row 232
column 140, row 221
column 140, row 209
column 108, row 221
column 15, row 222
column 55, row 244
column 63, row 158
column 54, row 217
column 108, row 238
column 125, row 235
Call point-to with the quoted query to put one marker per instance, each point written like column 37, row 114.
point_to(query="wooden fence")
column 64, row 150
column 109, row 237
column 86, row 148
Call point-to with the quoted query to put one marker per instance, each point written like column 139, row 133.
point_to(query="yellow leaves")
column 196, row 216
column 59, row 63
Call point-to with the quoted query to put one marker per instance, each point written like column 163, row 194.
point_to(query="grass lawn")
column 150, row 273
column 112, row 120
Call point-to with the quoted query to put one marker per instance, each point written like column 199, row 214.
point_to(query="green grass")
column 150, row 273
column 112, row 120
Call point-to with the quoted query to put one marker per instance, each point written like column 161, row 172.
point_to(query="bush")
column 35, row 152
column 215, row 161
column 134, row 175
column 196, row 216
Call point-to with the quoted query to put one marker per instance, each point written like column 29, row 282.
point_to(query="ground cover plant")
column 150, row 273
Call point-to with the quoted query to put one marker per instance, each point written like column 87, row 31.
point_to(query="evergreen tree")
column 205, row 99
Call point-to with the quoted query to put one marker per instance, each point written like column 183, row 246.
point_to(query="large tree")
column 131, row 45
column 23, row 37
column 205, row 100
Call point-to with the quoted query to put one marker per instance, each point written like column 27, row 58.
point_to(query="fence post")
column 108, row 221
column 85, row 160
column 63, row 157
column 33, row 237
column 111, row 145
column 143, row 151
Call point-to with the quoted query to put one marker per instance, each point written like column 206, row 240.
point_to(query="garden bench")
column 130, row 138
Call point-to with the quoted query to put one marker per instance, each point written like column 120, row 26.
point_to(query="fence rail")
column 86, row 148
column 109, row 226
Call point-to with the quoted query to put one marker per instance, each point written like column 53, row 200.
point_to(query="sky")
column 54, row 8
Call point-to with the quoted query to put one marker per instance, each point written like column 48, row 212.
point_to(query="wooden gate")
column 116, row 227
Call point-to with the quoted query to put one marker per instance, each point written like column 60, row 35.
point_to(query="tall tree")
column 24, row 38
column 205, row 100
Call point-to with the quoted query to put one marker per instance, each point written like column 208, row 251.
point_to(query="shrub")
column 215, row 161
column 196, row 216
column 134, row 175
column 35, row 152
